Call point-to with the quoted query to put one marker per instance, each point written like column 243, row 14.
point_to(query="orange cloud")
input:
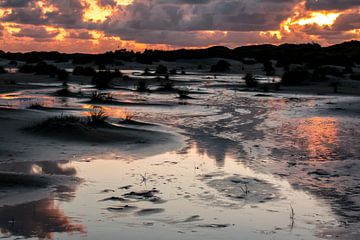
column 101, row 25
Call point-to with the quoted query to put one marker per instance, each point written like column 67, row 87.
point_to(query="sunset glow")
column 302, row 17
column 94, row 12
column 97, row 26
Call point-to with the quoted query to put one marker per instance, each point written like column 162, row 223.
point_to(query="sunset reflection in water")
column 39, row 219
column 319, row 136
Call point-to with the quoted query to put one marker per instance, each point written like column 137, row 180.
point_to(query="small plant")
column 268, row 68
column 173, row 71
column 129, row 116
column 2, row 70
column 183, row 93
column 83, row 71
column 63, row 75
column 292, row 213
column 245, row 189
column 167, row 85
column 335, row 86
column 161, row 70
column 144, row 178
column 100, row 97
column 142, row 86
column 36, row 106
column 58, row 122
column 97, row 117
column 146, row 72
column 250, row 80
column 64, row 91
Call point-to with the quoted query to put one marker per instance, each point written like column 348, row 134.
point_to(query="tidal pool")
column 176, row 195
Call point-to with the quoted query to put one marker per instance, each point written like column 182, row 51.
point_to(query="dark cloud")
column 180, row 22
column 82, row 34
column 347, row 22
column 14, row 3
column 332, row 4
column 36, row 32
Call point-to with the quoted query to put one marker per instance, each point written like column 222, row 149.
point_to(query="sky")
column 94, row 26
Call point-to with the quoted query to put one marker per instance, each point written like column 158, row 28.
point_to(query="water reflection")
column 39, row 219
column 319, row 135
column 45, row 167
column 114, row 112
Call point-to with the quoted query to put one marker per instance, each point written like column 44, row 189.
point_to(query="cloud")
column 13, row 3
column 38, row 33
column 332, row 4
column 179, row 23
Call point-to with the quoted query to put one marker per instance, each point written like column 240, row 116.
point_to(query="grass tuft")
column 97, row 117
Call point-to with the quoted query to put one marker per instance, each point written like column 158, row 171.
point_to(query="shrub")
column 146, row 72
column 129, row 116
column 335, row 86
column 117, row 73
column 269, row 69
column 64, row 92
column 221, row 66
column 97, row 117
column 27, row 68
column 58, row 124
column 295, row 76
column 100, row 97
column 161, row 70
column 78, row 70
column 63, row 75
column 36, row 105
column 13, row 63
column 250, row 81
column 2, row 70
column 320, row 73
column 142, row 86
column 42, row 68
column 348, row 69
column 102, row 79
column 84, row 71
column 167, row 85
column 173, row 71
column 355, row 76
column 183, row 93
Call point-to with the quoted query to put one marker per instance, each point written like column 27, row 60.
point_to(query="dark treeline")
column 311, row 54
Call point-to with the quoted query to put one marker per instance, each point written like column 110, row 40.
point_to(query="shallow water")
column 247, row 162
column 192, row 208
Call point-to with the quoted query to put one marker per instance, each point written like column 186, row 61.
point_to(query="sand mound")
column 244, row 188
column 72, row 128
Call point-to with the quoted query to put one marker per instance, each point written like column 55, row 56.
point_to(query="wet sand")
column 222, row 164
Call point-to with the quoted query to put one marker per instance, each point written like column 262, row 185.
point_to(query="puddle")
column 170, row 195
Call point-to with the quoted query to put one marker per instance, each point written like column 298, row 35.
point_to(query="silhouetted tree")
column 335, row 86
column 221, row 66
column 295, row 76
column 26, row 68
column 161, row 70
column 63, row 75
column 102, row 79
column 142, row 86
column 268, row 68
column 84, row 71
column 173, row 71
